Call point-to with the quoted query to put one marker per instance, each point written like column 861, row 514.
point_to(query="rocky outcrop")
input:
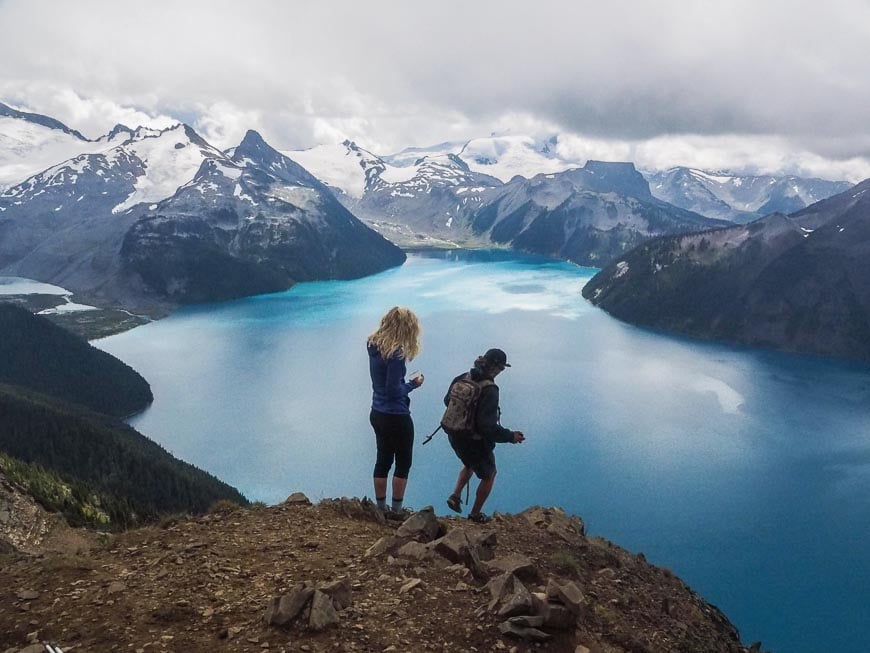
column 27, row 527
column 298, row 577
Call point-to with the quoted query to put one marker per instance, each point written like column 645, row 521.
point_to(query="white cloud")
column 764, row 81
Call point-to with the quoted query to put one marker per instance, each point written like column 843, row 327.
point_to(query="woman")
column 396, row 341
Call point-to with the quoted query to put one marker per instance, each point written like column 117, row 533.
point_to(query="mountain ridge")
column 798, row 283
column 76, row 223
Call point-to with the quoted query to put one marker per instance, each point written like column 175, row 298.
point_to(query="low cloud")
column 736, row 85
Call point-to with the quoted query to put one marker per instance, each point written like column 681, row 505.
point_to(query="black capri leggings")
column 395, row 438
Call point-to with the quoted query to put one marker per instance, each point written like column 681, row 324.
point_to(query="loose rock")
column 340, row 593
column 421, row 526
column 527, row 634
column 297, row 499
column 283, row 609
column 519, row 566
column 323, row 613
column 567, row 593
column 518, row 601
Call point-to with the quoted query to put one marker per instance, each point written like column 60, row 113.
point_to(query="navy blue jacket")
column 389, row 389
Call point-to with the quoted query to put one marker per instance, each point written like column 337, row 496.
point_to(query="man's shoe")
column 479, row 518
column 454, row 503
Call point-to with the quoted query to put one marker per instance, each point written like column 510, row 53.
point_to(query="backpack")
column 460, row 416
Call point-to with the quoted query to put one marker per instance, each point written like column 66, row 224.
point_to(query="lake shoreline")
column 703, row 456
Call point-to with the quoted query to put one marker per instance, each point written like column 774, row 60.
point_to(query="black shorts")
column 477, row 455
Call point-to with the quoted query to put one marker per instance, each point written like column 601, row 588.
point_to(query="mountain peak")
column 594, row 165
column 620, row 176
column 39, row 119
column 118, row 129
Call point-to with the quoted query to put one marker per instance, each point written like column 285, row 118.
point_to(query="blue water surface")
column 747, row 472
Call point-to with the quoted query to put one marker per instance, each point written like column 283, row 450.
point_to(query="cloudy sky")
column 746, row 85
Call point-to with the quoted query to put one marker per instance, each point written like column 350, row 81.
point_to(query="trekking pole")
column 432, row 435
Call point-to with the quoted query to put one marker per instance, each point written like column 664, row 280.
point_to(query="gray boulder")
column 283, row 609
column 340, row 593
column 510, row 629
column 323, row 612
column 422, row 526
column 516, row 599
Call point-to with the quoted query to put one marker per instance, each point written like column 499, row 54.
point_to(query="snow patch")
column 621, row 269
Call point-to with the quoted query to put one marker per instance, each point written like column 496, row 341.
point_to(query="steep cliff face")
column 336, row 577
column 798, row 283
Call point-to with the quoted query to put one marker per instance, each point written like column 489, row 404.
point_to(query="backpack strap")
column 432, row 435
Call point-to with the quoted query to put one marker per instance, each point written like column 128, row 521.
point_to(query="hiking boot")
column 479, row 518
column 401, row 515
column 454, row 503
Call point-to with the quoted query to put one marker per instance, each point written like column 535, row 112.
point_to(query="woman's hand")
column 417, row 379
column 519, row 437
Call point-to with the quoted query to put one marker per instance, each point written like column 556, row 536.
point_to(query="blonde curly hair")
column 398, row 333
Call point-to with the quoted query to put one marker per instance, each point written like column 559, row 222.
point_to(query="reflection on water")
column 747, row 472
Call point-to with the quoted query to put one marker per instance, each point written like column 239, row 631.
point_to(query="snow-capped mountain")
column 586, row 215
column 349, row 169
column 739, row 198
column 502, row 156
column 30, row 143
column 67, row 224
column 719, row 195
column 435, row 202
column 77, row 207
column 510, row 155
column 439, row 195
column 250, row 223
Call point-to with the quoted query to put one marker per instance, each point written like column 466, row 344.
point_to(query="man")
column 473, row 400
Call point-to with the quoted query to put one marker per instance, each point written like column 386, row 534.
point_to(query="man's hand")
column 519, row 437
column 418, row 379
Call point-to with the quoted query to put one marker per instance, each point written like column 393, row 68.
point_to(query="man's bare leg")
column 464, row 476
column 482, row 495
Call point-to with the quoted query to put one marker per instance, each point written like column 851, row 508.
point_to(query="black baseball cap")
column 496, row 357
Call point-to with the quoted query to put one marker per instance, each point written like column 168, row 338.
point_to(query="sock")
column 397, row 504
column 382, row 502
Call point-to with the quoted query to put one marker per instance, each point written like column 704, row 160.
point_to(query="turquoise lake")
column 746, row 472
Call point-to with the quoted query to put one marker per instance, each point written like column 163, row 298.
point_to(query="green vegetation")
column 566, row 562
column 106, row 464
column 80, row 505
column 43, row 357
column 223, row 507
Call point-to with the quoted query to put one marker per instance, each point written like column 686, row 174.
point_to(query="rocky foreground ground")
column 337, row 577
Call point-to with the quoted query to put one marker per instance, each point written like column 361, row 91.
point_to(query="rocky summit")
column 336, row 576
